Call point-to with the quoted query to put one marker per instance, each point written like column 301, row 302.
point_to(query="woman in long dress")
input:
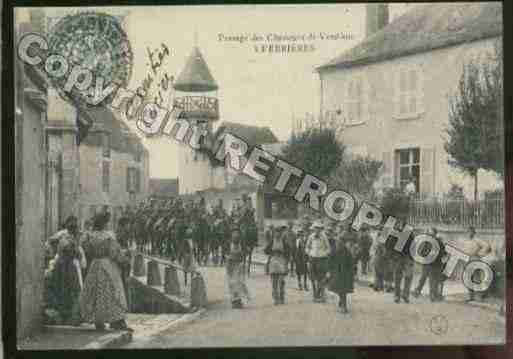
column 103, row 298
column 235, row 271
column 341, row 273
column 64, row 272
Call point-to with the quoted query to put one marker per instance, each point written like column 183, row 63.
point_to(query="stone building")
column 114, row 167
column 199, row 174
column 108, row 170
column 392, row 89
column 30, row 182
column 196, row 93
column 57, row 176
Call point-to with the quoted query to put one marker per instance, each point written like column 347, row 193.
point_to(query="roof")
column 423, row 28
column 252, row 135
column 122, row 138
column 164, row 187
column 196, row 76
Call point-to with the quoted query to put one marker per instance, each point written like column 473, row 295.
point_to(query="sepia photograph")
column 247, row 176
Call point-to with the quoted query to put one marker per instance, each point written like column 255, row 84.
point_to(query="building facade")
column 392, row 90
column 114, row 168
column 30, row 181
column 56, row 176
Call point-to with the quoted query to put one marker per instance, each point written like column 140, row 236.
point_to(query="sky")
column 258, row 89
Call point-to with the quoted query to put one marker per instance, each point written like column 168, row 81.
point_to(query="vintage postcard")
column 259, row 175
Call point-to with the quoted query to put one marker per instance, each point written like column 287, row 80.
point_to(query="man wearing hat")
column 318, row 250
column 301, row 259
column 278, row 251
column 290, row 238
column 476, row 248
column 365, row 247
column 188, row 253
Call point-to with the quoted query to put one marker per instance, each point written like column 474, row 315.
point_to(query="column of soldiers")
column 162, row 227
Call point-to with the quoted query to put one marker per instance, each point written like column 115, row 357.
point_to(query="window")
column 354, row 102
column 408, row 163
column 105, row 176
column 106, row 144
column 409, row 100
column 133, row 180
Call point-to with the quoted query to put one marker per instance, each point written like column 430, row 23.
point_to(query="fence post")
column 153, row 273
column 171, row 283
column 198, row 292
column 139, row 270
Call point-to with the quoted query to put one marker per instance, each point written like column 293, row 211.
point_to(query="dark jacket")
column 341, row 271
column 286, row 248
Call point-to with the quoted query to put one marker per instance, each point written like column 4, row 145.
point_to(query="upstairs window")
column 354, row 102
column 409, row 100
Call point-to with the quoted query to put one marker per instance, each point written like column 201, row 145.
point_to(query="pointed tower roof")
column 195, row 76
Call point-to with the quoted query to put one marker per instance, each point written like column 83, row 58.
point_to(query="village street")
column 374, row 320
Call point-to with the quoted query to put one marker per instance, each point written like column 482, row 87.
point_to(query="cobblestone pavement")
column 374, row 320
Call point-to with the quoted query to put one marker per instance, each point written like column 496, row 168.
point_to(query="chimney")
column 376, row 17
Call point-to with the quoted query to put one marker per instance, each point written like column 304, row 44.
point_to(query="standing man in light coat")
column 318, row 250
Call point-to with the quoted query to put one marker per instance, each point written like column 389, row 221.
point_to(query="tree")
column 475, row 132
column 357, row 175
column 315, row 149
column 396, row 203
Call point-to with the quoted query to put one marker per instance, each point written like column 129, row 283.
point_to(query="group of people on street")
column 328, row 254
column 86, row 271
column 85, row 276
column 175, row 228
column 325, row 253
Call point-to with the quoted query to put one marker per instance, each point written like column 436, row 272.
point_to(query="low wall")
column 148, row 299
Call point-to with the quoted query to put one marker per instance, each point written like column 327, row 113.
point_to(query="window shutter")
column 365, row 98
column 427, row 170
column 388, row 169
column 137, row 180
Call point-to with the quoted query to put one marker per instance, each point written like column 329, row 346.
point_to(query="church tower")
column 196, row 94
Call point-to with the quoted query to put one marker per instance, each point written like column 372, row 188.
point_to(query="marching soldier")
column 249, row 230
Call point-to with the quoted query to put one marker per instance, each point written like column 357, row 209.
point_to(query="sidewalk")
column 61, row 337
column 454, row 291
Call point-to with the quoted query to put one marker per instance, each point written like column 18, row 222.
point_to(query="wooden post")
column 153, row 273
column 139, row 270
column 171, row 283
column 198, row 292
